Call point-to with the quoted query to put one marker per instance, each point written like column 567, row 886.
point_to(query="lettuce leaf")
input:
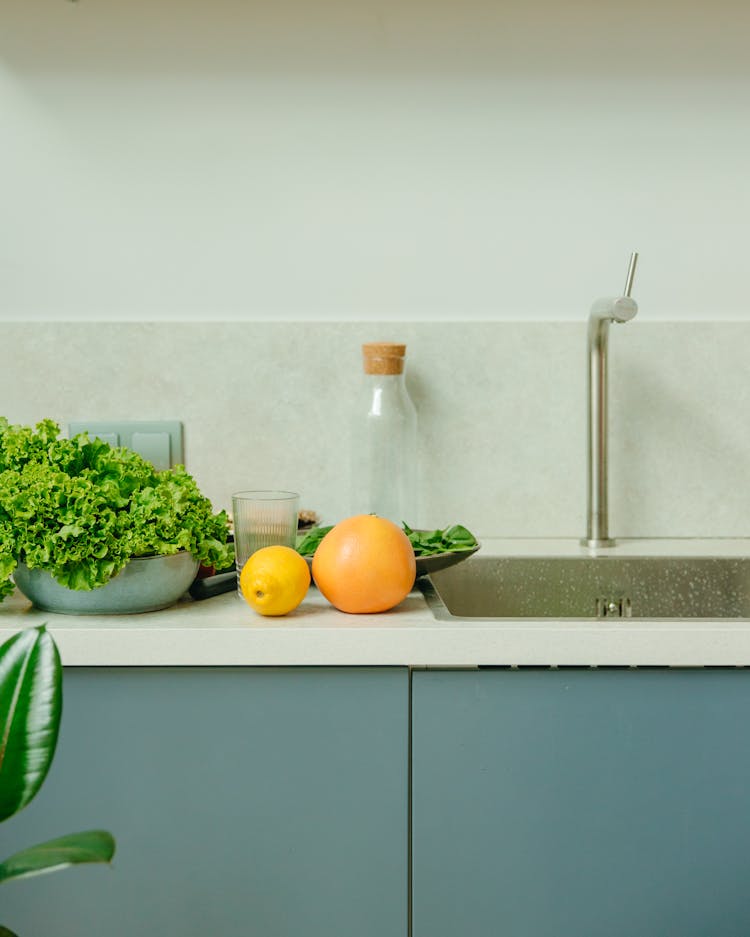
column 80, row 508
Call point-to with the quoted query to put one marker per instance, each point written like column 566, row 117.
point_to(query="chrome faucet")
column 604, row 311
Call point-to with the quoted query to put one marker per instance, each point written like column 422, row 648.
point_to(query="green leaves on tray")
column 453, row 539
column 307, row 543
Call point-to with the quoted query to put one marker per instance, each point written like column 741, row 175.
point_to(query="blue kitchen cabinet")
column 245, row 803
column 581, row 803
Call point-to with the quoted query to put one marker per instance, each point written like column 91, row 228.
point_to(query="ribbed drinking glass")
column 263, row 519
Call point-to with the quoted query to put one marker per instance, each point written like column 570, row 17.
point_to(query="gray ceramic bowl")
column 144, row 585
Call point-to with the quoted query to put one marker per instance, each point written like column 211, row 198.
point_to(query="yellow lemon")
column 274, row 580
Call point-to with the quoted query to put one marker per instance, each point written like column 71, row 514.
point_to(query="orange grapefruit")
column 364, row 564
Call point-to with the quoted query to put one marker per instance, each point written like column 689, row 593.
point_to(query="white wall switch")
column 159, row 441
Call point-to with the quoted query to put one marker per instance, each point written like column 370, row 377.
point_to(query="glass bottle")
column 384, row 438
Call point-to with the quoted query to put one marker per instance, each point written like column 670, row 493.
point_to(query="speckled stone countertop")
column 224, row 631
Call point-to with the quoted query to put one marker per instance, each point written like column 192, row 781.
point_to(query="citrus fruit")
column 274, row 580
column 364, row 564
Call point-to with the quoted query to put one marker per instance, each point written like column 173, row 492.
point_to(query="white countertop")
column 224, row 631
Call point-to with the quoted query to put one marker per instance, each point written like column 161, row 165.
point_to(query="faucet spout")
column 603, row 312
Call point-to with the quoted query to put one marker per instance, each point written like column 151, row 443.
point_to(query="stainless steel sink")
column 678, row 587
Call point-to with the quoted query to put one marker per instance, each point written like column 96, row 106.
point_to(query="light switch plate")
column 159, row 441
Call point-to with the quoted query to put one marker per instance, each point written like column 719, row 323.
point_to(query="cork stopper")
column 383, row 358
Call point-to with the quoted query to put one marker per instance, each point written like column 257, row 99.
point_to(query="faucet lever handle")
column 612, row 309
column 631, row 274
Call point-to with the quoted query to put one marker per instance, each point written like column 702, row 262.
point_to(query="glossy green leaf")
column 4, row 932
column 73, row 849
column 30, row 708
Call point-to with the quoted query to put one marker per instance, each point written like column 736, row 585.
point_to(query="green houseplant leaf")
column 73, row 849
column 30, row 708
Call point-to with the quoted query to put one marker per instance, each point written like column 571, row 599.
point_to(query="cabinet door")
column 245, row 803
column 581, row 803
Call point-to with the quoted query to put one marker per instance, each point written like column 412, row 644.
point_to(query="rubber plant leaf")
column 73, row 849
column 30, row 708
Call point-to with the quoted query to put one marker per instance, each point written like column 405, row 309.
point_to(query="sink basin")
column 677, row 587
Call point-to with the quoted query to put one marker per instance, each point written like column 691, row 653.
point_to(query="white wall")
column 502, row 413
column 374, row 160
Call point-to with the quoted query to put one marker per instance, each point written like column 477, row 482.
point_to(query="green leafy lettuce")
column 80, row 508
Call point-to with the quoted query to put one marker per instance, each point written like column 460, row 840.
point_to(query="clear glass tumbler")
column 263, row 519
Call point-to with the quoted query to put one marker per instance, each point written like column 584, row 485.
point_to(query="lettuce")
column 80, row 508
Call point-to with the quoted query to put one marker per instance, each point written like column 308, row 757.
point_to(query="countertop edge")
column 224, row 632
